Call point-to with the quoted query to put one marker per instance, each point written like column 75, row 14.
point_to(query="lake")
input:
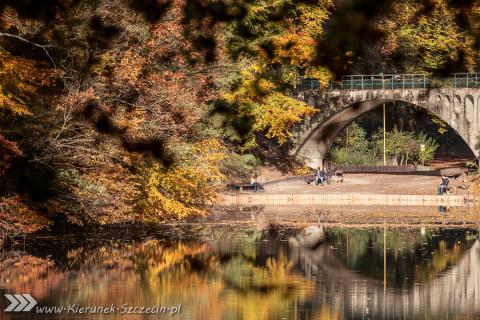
column 239, row 272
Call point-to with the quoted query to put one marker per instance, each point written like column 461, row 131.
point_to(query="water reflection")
column 230, row 273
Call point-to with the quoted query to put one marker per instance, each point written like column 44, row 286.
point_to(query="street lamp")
column 384, row 139
column 384, row 130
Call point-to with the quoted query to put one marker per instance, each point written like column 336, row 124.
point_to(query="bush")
column 430, row 147
column 352, row 147
column 343, row 158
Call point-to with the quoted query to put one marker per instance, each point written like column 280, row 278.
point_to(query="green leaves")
column 353, row 148
column 406, row 145
column 430, row 147
column 261, row 98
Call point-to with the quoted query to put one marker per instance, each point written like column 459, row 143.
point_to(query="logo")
column 20, row 302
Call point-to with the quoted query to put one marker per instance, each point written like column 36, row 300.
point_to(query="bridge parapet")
column 393, row 81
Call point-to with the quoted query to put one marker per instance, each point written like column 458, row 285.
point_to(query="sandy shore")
column 354, row 215
column 365, row 183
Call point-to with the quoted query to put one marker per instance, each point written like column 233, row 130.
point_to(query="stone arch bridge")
column 455, row 100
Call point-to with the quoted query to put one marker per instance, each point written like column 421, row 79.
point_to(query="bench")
column 457, row 174
column 311, row 178
column 239, row 186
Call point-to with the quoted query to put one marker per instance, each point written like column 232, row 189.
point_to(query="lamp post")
column 384, row 139
column 384, row 130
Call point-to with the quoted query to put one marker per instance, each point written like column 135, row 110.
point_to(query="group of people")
column 321, row 175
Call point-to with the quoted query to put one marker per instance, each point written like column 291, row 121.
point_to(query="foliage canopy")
column 106, row 106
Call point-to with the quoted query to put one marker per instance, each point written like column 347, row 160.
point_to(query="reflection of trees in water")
column 23, row 273
column 249, row 275
column 230, row 280
column 411, row 257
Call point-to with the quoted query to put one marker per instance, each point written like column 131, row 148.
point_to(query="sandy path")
column 365, row 183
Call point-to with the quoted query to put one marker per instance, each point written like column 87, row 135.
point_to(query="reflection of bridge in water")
column 454, row 294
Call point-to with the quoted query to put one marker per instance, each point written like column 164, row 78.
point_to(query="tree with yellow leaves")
column 183, row 190
column 284, row 36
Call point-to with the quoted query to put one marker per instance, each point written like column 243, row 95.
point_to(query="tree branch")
column 43, row 47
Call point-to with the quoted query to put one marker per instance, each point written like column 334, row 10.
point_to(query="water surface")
column 214, row 272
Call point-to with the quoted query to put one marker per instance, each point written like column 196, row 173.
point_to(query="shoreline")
column 371, row 199
column 269, row 220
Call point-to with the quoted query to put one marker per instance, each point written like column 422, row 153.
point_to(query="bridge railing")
column 394, row 81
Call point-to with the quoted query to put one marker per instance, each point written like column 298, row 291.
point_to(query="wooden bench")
column 239, row 186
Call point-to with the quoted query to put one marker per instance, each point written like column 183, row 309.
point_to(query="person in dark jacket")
column 318, row 176
column 324, row 174
column 321, row 175
column 441, row 186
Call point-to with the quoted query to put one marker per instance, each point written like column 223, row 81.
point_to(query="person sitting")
column 441, row 186
column 324, row 174
column 255, row 183
column 318, row 176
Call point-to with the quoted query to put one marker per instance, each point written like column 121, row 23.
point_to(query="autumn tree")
column 279, row 48
column 106, row 105
column 427, row 36
column 127, row 90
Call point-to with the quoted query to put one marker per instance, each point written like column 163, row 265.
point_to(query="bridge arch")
column 337, row 109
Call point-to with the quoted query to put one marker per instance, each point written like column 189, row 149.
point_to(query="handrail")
column 393, row 82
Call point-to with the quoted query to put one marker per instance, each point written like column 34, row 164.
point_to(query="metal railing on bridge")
column 394, row 81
